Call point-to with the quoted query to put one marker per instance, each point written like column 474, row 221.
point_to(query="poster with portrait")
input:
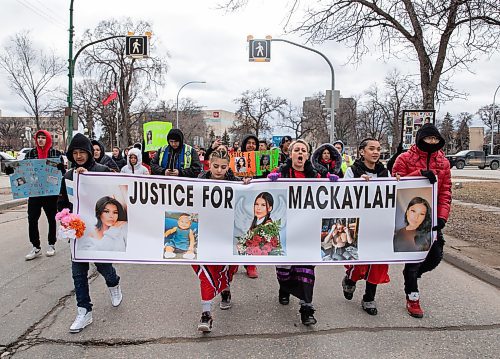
column 243, row 164
column 159, row 219
column 266, row 161
column 35, row 178
column 155, row 134
column 412, row 122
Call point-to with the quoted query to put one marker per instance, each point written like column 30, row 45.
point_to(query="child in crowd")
column 366, row 167
column 215, row 279
column 425, row 158
column 134, row 163
column 297, row 280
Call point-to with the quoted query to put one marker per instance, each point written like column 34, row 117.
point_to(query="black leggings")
column 413, row 271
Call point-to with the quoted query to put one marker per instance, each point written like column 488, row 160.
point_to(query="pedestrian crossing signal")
column 259, row 50
column 137, row 46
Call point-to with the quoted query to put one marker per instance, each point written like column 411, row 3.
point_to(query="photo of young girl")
column 181, row 235
column 149, row 137
column 415, row 236
column 110, row 230
column 339, row 239
column 264, row 234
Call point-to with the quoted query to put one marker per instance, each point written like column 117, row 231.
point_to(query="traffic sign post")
column 137, row 46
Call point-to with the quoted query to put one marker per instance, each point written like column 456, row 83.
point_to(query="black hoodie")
column 173, row 157
column 104, row 159
column 427, row 130
column 79, row 142
column 245, row 140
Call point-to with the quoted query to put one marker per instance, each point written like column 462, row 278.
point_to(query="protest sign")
column 266, row 161
column 155, row 134
column 277, row 140
column 35, row 178
column 412, row 122
column 170, row 220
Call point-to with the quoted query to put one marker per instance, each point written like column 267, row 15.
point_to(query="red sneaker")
column 413, row 307
column 252, row 272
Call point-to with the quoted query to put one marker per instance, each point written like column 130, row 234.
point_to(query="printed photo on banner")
column 260, row 223
column 243, row 164
column 413, row 220
column 181, row 235
column 339, row 239
column 107, row 226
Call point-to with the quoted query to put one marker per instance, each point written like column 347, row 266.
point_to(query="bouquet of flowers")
column 263, row 240
column 71, row 227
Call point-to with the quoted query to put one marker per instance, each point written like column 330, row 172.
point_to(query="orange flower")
column 78, row 226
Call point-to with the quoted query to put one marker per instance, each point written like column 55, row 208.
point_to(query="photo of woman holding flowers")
column 263, row 236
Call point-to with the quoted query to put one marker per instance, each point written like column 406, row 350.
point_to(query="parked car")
column 473, row 158
column 5, row 158
column 21, row 154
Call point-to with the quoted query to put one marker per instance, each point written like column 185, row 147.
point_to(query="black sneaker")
column 225, row 302
column 307, row 315
column 369, row 307
column 348, row 288
column 206, row 322
column 283, row 297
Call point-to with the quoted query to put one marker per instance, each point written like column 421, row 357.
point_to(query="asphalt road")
column 160, row 311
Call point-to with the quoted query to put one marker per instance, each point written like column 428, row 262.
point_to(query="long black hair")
column 101, row 205
column 266, row 196
column 424, row 229
column 238, row 166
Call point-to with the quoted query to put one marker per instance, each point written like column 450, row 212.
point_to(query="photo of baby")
column 339, row 239
column 109, row 230
column 181, row 235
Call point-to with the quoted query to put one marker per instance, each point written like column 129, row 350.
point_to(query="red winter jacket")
column 411, row 162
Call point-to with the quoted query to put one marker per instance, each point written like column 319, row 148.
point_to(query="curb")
column 473, row 267
column 13, row 203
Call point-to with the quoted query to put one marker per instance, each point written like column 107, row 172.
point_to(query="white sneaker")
column 168, row 255
column 116, row 295
column 35, row 252
column 83, row 319
column 51, row 250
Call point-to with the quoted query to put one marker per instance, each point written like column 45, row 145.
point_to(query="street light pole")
column 332, row 127
column 493, row 119
column 177, row 102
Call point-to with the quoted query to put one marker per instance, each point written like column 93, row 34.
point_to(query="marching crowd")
column 296, row 160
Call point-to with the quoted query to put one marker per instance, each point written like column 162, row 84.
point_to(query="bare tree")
column 255, row 112
column 10, row 131
column 373, row 117
column 135, row 80
column 490, row 120
column 30, row 72
column 442, row 36
column 292, row 119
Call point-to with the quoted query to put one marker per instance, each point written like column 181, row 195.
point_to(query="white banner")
column 156, row 219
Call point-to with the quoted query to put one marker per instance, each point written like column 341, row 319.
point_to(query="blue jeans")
column 81, row 281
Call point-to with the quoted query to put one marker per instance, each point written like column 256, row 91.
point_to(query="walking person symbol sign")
column 259, row 50
column 136, row 46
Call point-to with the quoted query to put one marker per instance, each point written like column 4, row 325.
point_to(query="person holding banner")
column 326, row 159
column 367, row 166
column 134, row 163
column 43, row 149
column 176, row 158
column 297, row 280
column 426, row 158
column 81, row 155
column 249, row 144
column 216, row 279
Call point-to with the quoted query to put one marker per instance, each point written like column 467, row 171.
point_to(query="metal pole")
column 332, row 127
column 177, row 102
column 70, row 74
column 493, row 120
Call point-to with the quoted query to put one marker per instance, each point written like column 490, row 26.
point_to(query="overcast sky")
column 206, row 44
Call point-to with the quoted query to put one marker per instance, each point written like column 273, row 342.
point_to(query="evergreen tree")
column 446, row 127
column 462, row 135
column 225, row 138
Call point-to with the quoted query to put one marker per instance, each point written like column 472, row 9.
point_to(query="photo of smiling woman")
column 416, row 235
column 110, row 230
